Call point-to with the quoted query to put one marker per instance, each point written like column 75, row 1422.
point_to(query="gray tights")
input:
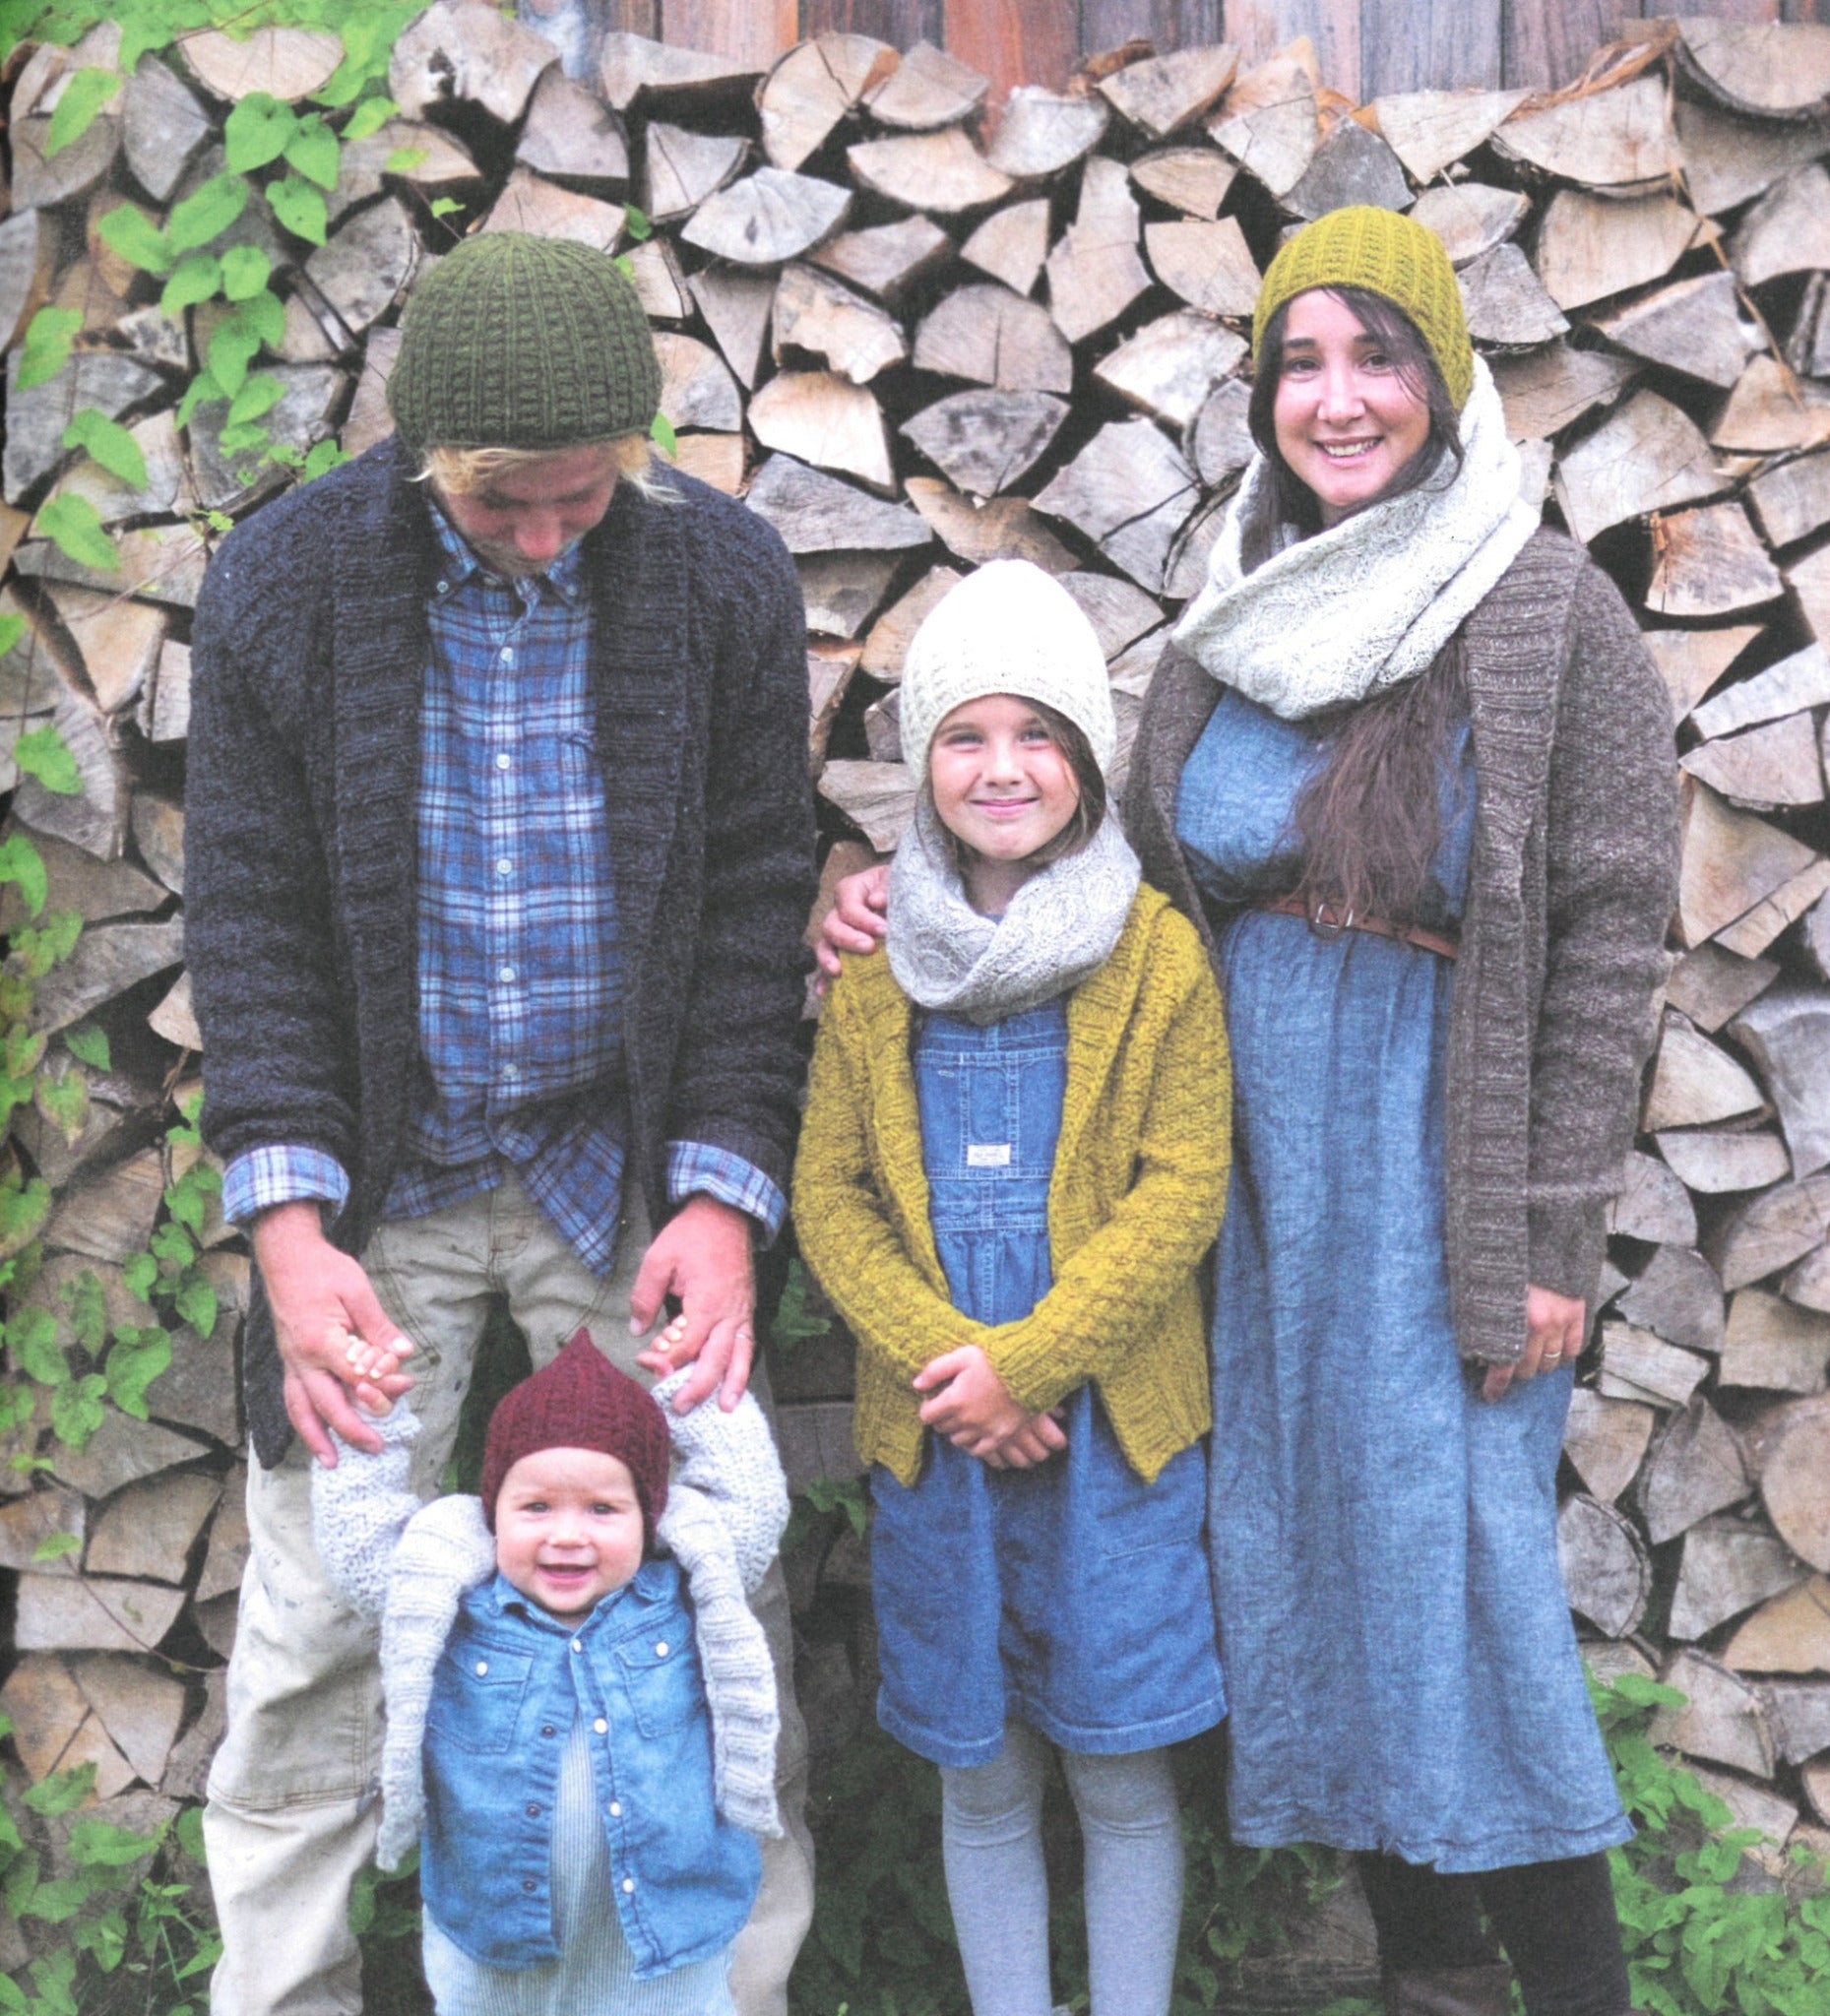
column 992, row 1830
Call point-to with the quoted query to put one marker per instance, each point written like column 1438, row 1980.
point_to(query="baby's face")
column 568, row 1528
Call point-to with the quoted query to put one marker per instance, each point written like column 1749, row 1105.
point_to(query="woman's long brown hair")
column 1370, row 820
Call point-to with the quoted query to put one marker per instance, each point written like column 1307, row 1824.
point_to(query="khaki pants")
column 290, row 1823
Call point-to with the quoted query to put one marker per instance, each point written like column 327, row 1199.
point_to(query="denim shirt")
column 508, row 1688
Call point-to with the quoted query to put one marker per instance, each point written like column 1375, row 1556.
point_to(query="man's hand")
column 336, row 1341
column 1554, row 1329
column 702, row 1257
column 977, row 1411
column 857, row 921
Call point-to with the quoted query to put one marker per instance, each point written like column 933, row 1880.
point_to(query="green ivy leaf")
column 231, row 352
column 207, row 214
column 89, row 1044
column 324, row 456
column 22, row 863
column 187, row 1205
column 315, row 151
column 64, row 1103
column 96, row 1845
column 446, row 206
column 31, row 1341
column 23, row 1208
column 661, row 432
column 137, row 1359
column 245, row 272
column 77, row 1411
column 44, row 754
column 140, row 1272
column 370, row 116
column 199, row 392
column 55, row 1545
column 172, row 1242
column 196, row 1303
column 83, row 98
column 265, row 314
column 25, row 1050
column 622, row 264
column 47, row 348
column 196, row 278
column 636, row 223
column 12, row 629
column 128, row 230
column 405, row 159
column 75, row 525
column 299, row 207
column 259, row 395
column 257, row 131
column 55, row 1903
column 108, row 444
column 88, row 1303
column 246, row 437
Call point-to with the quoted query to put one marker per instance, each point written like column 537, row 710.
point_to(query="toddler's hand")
column 968, row 1403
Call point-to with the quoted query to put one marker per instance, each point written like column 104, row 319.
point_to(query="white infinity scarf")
column 1372, row 601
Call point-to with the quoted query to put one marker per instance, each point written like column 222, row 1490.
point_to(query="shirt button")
column 603, row 1729
column 505, row 866
column 511, row 1070
column 444, row 587
column 483, row 1666
column 534, row 1813
column 577, row 1645
column 508, row 657
column 616, row 1805
column 662, row 1649
column 528, row 1884
column 547, row 1730
column 503, row 761
column 506, row 975
column 628, row 1886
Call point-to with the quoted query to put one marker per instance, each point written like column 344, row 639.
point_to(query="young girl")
column 579, row 1751
column 1013, row 1157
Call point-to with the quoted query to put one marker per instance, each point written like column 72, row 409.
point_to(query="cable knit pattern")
column 1372, row 601
column 410, row 1565
column 1137, row 1193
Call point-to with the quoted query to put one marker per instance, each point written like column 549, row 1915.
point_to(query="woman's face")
column 1347, row 423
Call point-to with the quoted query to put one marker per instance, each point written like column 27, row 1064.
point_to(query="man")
column 500, row 848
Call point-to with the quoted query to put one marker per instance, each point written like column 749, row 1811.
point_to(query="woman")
column 1410, row 769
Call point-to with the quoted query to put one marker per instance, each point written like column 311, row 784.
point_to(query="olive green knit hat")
column 519, row 342
column 1389, row 255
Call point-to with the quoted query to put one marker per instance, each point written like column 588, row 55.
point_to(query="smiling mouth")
column 1347, row 451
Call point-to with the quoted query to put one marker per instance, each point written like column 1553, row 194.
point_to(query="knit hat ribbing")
column 581, row 1400
column 1007, row 628
column 519, row 342
column 1391, row 256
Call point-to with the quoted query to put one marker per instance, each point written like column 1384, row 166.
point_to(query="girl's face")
column 568, row 1528
column 1003, row 786
column 1347, row 423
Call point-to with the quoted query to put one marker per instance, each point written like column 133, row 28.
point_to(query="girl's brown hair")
column 1370, row 820
column 1089, row 811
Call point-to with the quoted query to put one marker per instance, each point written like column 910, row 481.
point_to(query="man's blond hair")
column 463, row 472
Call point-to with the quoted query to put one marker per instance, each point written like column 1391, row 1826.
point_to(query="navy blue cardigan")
column 309, row 651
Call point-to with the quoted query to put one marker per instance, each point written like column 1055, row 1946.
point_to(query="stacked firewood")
column 916, row 333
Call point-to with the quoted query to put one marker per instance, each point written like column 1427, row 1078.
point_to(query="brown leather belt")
column 1327, row 921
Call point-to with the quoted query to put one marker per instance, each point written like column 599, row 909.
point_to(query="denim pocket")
column 476, row 1694
column 1136, row 1517
column 658, row 1671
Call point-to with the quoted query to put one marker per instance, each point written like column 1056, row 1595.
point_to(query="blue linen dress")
column 1073, row 1596
column 1402, row 1666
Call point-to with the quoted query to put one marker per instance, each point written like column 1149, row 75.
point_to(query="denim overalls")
column 1072, row 1597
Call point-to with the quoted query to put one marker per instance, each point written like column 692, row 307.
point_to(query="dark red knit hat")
column 581, row 1400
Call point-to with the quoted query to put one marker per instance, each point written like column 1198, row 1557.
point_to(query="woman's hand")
column 1556, row 1327
column 976, row 1411
column 857, row 920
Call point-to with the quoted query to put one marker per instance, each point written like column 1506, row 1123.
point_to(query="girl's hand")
column 1556, row 1327
column 858, row 918
column 1040, row 1437
column 969, row 1404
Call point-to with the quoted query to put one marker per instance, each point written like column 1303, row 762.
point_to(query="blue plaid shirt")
column 520, row 979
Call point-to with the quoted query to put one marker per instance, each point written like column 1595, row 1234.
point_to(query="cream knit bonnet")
column 1007, row 628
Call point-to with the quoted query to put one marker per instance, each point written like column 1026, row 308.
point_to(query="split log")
column 1119, row 612
column 1352, row 166
column 1709, row 564
column 1809, row 1283
column 108, row 960
column 165, row 713
column 161, row 127
column 696, row 390
column 1610, row 1660
column 1694, row 1468
column 841, row 590
column 825, row 420
column 891, row 635
column 983, row 441
column 1755, row 931
column 1605, row 1440
column 817, row 514
column 1774, row 1345
column 176, row 1020
column 736, row 306
column 1720, row 1161
column 1001, row 529
column 660, row 280
column 187, row 1770
column 112, row 1216
column 1165, row 93
column 830, row 666
column 929, row 88
column 1800, row 681
column 1723, row 1718
column 1728, row 1566
column 996, row 338
column 369, row 263
column 1186, row 570
column 368, row 420
column 1040, row 133
column 1593, row 247
column 1791, row 1634
column 572, row 136
column 1815, row 1780
column 1209, row 264
column 812, row 88
column 1807, row 347
column 1129, row 491
column 1692, row 661
column 1810, row 581
column 1544, row 390
column 28, row 1522
column 1800, row 1712
column 93, row 1613
column 634, row 69
column 292, row 63
column 1190, row 177
column 1221, row 442
column 309, row 395
column 1651, row 1205
column 228, row 1543
column 54, row 1728
column 887, row 259
column 139, row 1709
column 1789, row 1451
column 1693, row 325
column 1793, row 500
column 1677, row 1297
column 1172, row 365
column 93, row 818
column 883, row 728
column 116, row 643
column 1470, row 218
column 1786, row 1032
column 159, row 833
column 768, row 217
column 216, row 1624
column 76, row 880
column 931, row 172
column 42, row 180
column 531, row 204
column 1611, row 138
column 1428, row 130
column 681, row 169
column 1771, row 1231
column 1787, row 230
column 1011, row 244
column 156, row 338
column 877, row 798
column 427, row 160
column 1771, row 412
column 1729, row 159
column 1607, row 1573
column 1268, row 123
column 192, row 1391
column 1637, row 1365
column 1505, row 302
column 36, row 419
column 1731, row 861
column 1758, row 66
column 1095, row 271
column 27, row 257
column 1694, row 1081
column 818, row 314
column 148, row 1530
column 165, row 492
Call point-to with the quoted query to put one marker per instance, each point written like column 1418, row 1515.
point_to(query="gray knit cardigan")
column 1572, row 884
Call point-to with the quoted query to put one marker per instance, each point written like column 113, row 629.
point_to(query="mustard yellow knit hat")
column 1389, row 255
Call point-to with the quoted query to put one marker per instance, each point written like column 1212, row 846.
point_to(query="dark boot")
column 1483, row 1991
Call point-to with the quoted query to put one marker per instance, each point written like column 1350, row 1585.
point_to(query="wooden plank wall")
column 1365, row 46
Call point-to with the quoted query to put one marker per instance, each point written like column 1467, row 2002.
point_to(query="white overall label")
column 987, row 1155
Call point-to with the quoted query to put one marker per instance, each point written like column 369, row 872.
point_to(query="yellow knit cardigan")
column 1139, row 1186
